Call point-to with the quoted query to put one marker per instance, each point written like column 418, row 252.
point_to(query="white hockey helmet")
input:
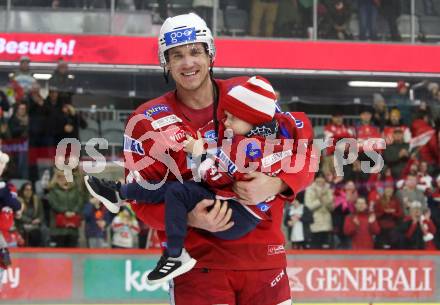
column 181, row 30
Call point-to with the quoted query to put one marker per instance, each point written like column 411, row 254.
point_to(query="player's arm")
column 146, row 152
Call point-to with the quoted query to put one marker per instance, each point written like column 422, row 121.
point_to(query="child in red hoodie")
column 361, row 226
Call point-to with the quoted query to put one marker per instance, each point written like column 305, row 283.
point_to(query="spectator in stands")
column 18, row 126
column 424, row 179
column 365, row 133
column 55, row 116
column 418, row 228
column 377, row 183
column 422, row 125
column 380, row 114
column 97, row 218
column 434, row 99
column 336, row 23
column 63, row 81
column 396, row 155
column 401, row 101
column 39, row 134
column 367, row 12
column 30, row 225
column 434, row 206
column 263, row 10
column 334, row 131
column 125, row 229
column 433, row 89
column 361, row 226
column 4, row 104
column 391, row 11
column 355, row 173
column 288, row 22
column 305, row 8
column 429, row 8
column 319, row 199
column 409, row 193
column 24, row 76
column 389, row 215
column 345, row 199
column 395, row 122
column 66, row 202
column 72, row 122
column 297, row 220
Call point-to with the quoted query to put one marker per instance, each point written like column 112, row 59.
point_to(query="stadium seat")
column 112, row 125
column 236, row 21
column 404, row 25
column 430, row 27
column 112, row 131
column 87, row 134
column 113, row 136
column 354, row 26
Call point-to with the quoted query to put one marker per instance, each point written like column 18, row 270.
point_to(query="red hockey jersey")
column 152, row 147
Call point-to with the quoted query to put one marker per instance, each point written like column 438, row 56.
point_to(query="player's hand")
column 215, row 220
column 258, row 188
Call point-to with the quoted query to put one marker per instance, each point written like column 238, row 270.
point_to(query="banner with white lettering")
column 265, row 54
column 363, row 278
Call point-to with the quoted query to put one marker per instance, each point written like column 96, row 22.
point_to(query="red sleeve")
column 299, row 180
column 411, row 229
column 146, row 150
column 398, row 209
column 349, row 226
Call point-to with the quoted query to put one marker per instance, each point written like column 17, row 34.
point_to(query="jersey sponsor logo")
column 210, row 136
column 275, row 157
column 252, row 151
column 180, row 36
column 263, row 206
column 299, row 123
column 149, row 113
column 226, row 163
column 275, row 249
column 165, row 121
column 179, row 136
column 132, row 145
column 277, row 279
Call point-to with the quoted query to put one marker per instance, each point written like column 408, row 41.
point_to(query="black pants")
column 181, row 198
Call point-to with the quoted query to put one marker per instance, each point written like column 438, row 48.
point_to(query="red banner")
column 37, row 279
column 238, row 53
column 366, row 279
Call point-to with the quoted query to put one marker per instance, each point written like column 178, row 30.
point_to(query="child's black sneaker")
column 105, row 191
column 170, row 267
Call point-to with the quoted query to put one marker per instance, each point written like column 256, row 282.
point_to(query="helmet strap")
column 166, row 74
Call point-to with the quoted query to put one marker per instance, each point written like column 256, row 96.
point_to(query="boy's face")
column 238, row 126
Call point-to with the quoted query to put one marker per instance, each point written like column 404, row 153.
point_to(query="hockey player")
column 248, row 270
column 253, row 101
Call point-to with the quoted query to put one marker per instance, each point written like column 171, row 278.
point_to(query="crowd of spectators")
column 395, row 208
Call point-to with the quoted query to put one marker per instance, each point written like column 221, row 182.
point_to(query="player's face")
column 238, row 126
column 189, row 66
